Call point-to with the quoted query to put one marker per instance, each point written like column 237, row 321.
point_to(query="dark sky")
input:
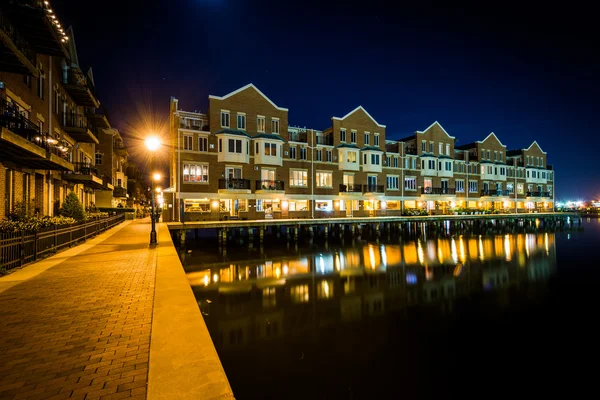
column 526, row 72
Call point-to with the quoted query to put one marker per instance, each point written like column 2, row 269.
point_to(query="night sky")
column 525, row 72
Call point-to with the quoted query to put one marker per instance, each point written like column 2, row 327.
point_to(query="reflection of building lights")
column 507, row 251
column 537, row 223
column 325, row 289
column 285, row 270
column 453, row 251
column 337, row 262
column 458, row 269
column 383, row 256
column 411, row 278
column 481, row 256
column 546, row 243
column 322, row 264
column 439, row 252
column 420, row 254
column 215, row 278
column 206, row 280
column 428, row 273
column 461, row 246
column 277, row 272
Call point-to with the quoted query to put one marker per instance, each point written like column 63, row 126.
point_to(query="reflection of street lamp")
column 153, row 143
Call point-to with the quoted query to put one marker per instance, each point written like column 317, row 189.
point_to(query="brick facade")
column 223, row 166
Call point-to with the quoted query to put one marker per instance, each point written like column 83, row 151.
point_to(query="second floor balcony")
column 298, row 137
column 78, row 126
column 267, row 185
column 326, row 140
column 538, row 194
column 119, row 192
column 373, row 188
column 86, row 174
column 355, row 189
column 497, row 193
column 80, row 88
column 22, row 141
column 234, row 184
column 438, row 190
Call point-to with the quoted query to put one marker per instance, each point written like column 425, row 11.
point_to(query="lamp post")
column 153, row 143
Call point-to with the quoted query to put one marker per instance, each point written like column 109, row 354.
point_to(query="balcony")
column 86, row 174
column 120, row 149
column 496, row 193
column 16, row 55
column 438, row 190
column 351, row 189
column 265, row 185
column 325, row 140
column 97, row 120
column 538, row 194
column 34, row 22
column 373, row 189
column 22, row 142
column 193, row 126
column 79, row 87
column 298, row 137
column 234, row 185
column 119, row 192
column 412, row 150
column 78, row 127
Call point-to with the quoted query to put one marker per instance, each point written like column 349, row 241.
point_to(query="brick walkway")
column 81, row 329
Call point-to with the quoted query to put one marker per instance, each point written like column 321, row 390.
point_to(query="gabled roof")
column 271, row 136
column 491, row 134
column 355, row 110
column 441, row 127
column 346, row 146
column 250, row 85
column 237, row 132
column 371, row 148
column 538, row 146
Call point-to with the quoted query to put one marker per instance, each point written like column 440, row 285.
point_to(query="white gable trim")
column 250, row 85
column 536, row 143
column 355, row 110
column 481, row 141
column 441, row 127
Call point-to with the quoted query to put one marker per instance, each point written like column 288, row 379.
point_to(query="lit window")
column 299, row 294
column 324, row 179
column 298, row 177
column 270, row 149
column 195, row 173
column 351, row 157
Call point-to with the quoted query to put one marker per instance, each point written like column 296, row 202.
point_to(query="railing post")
column 22, row 253
column 35, row 246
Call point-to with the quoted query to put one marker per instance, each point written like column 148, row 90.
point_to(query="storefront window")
column 323, row 205
column 197, row 206
column 298, row 205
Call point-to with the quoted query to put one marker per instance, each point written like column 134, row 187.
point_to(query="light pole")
column 153, row 143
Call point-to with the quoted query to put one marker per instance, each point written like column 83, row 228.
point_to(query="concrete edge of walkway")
column 183, row 360
column 31, row 270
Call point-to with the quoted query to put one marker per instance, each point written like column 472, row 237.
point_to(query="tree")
column 72, row 207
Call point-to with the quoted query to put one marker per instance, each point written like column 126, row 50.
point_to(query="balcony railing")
column 74, row 120
column 19, row 41
column 234, row 184
column 411, row 150
column 438, row 190
column 78, row 78
column 298, row 137
column 195, row 127
column 538, row 194
column 86, row 169
column 496, row 192
column 350, row 188
column 269, row 185
column 373, row 189
column 325, row 140
column 118, row 191
column 12, row 119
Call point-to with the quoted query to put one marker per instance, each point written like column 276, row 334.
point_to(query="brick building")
column 49, row 127
column 242, row 160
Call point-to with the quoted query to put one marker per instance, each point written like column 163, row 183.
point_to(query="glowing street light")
column 153, row 143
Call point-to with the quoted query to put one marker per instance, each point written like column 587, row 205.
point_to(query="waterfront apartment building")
column 242, row 160
column 49, row 126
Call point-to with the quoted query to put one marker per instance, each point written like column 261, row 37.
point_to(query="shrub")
column 93, row 215
column 72, row 207
column 19, row 212
column 33, row 224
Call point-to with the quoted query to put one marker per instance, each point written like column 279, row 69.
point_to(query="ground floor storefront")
column 211, row 207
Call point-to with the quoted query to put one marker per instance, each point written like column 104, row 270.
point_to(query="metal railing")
column 325, row 140
column 193, row 126
column 411, row 150
column 20, row 42
column 119, row 191
column 350, row 188
column 373, row 188
column 74, row 120
column 538, row 194
column 438, row 190
column 21, row 248
column 298, row 137
column 86, row 169
column 234, row 183
column 269, row 185
column 496, row 192
column 78, row 78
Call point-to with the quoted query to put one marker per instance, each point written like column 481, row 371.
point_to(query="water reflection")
column 252, row 301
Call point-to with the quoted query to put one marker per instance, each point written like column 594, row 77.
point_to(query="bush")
column 72, row 207
column 94, row 215
column 33, row 224
column 19, row 212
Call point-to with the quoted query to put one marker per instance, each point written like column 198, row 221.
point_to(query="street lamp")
column 153, row 143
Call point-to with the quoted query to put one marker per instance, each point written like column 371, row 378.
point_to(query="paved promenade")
column 80, row 327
